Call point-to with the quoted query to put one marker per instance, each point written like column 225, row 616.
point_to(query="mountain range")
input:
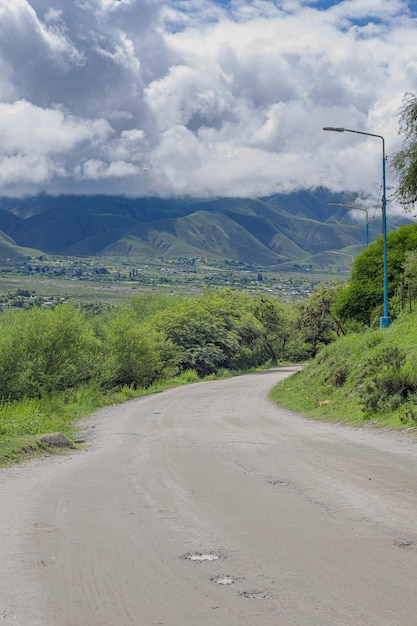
column 281, row 229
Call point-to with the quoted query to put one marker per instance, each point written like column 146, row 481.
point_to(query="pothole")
column 223, row 579
column 257, row 595
column 202, row 556
column 406, row 544
column 278, row 482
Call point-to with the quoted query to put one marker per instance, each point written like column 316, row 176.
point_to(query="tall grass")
column 22, row 421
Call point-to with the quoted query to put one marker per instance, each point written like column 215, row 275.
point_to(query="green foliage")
column 187, row 377
column 407, row 293
column 360, row 376
column 316, row 318
column 217, row 330
column 272, row 344
column 361, row 299
column 145, row 305
column 135, row 354
column 410, row 269
column 407, row 411
column 32, row 416
column 44, row 351
column 405, row 161
column 385, row 380
column 59, row 364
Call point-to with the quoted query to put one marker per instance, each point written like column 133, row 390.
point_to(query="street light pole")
column 385, row 320
column 351, row 206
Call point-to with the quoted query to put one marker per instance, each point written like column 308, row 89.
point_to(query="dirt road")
column 208, row 505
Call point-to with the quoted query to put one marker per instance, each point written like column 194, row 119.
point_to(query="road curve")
column 208, row 505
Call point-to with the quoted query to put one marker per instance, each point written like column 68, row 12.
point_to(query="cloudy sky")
column 201, row 97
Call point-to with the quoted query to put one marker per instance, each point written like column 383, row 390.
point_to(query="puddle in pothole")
column 202, row 556
column 224, row 580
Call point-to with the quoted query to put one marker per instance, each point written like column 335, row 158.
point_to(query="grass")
column 363, row 378
column 22, row 422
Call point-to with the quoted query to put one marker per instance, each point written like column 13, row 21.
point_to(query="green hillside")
column 224, row 237
column 282, row 229
column 9, row 250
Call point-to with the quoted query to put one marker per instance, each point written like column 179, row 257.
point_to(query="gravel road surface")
column 208, row 505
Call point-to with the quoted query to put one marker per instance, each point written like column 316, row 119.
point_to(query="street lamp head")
column 334, row 128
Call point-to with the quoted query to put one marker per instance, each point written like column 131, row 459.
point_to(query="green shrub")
column 408, row 411
column 388, row 381
column 45, row 351
column 135, row 354
column 224, row 329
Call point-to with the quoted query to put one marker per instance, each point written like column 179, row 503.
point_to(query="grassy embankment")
column 360, row 379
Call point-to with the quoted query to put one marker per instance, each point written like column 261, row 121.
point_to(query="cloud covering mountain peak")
column 204, row 98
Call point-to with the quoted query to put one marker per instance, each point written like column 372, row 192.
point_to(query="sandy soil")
column 208, row 505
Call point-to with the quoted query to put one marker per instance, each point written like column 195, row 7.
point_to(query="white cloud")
column 27, row 169
column 206, row 98
column 95, row 169
column 25, row 128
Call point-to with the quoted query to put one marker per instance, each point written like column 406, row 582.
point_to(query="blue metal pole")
column 385, row 320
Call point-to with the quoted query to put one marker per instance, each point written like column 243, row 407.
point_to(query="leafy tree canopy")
column 364, row 291
column 210, row 332
column 316, row 318
column 405, row 161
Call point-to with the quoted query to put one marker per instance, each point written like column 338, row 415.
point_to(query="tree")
column 316, row 319
column 362, row 297
column 405, row 161
column 213, row 331
column 408, row 286
column 276, row 328
column 145, row 305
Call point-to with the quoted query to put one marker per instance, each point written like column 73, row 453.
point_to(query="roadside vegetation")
column 367, row 377
column 65, row 361
column 61, row 360
column 367, row 374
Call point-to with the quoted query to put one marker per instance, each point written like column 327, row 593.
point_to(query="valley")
column 100, row 249
column 46, row 281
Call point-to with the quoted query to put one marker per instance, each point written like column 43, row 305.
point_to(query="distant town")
column 48, row 281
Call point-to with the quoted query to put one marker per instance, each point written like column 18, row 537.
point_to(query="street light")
column 350, row 206
column 384, row 321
